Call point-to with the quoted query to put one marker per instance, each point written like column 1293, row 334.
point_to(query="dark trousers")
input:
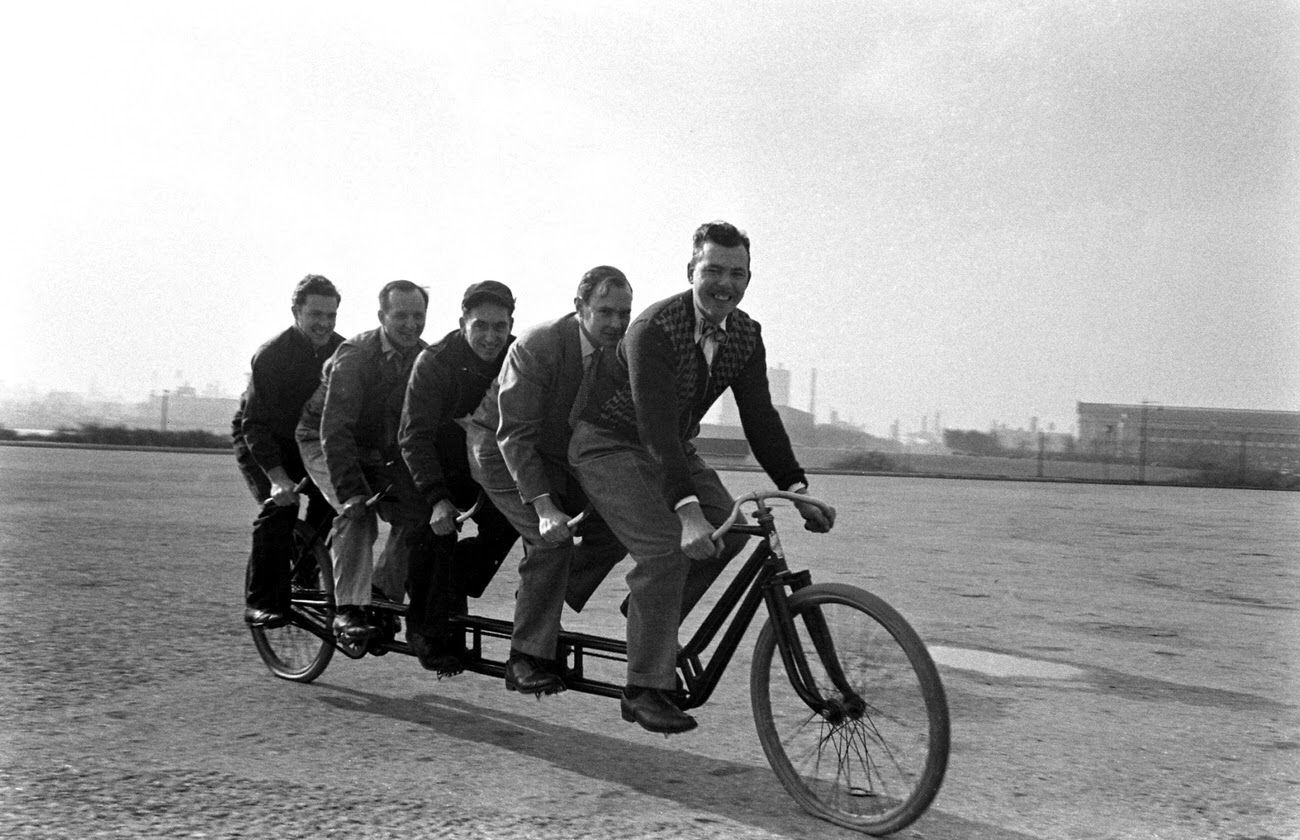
column 266, row 583
column 446, row 571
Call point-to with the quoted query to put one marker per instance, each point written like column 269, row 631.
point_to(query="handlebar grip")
column 758, row 496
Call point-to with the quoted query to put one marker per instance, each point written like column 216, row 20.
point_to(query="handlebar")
column 758, row 497
column 463, row 515
column 297, row 488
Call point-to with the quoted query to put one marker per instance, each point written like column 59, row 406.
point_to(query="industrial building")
column 1181, row 436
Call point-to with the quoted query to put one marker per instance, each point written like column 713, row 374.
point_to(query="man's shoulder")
column 367, row 340
column 281, row 342
column 547, row 336
column 446, row 350
column 670, row 316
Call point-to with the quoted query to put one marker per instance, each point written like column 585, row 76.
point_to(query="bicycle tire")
column 872, row 764
column 293, row 652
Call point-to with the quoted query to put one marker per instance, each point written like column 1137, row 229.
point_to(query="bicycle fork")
column 793, row 656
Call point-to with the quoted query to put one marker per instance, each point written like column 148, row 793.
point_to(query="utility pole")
column 1142, row 446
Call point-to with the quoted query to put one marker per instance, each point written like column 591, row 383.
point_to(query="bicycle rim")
column 874, row 759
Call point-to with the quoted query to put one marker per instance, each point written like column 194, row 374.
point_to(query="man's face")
column 316, row 318
column 486, row 327
column 719, row 278
column 403, row 321
column 606, row 315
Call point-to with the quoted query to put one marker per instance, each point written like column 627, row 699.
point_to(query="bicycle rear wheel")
column 873, row 757
column 294, row 651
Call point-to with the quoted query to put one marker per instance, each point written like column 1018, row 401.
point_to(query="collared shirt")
column 708, row 345
column 587, row 346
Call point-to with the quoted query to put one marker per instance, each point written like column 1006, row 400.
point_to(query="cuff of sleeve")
column 798, row 487
column 686, row 501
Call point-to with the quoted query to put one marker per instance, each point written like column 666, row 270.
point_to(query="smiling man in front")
column 632, row 452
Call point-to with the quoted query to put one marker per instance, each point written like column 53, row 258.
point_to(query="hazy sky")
column 990, row 210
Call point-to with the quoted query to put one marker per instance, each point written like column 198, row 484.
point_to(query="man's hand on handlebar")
column 354, row 508
column 443, row 518
column 552, row 523
column 697, row 533
column 814, row 518
column 283, row 491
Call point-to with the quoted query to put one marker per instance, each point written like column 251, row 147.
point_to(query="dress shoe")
column 351, row 624
column 651, row 708
column 529, row 675
column 266, row 619
column 444, row 659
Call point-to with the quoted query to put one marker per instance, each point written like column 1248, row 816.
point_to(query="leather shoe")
column 442, row 659
column 351, row 624
column 259, row 617
column 651, row 708
column 529, row 675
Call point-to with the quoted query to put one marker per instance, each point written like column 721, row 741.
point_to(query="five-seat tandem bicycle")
column 847, row 702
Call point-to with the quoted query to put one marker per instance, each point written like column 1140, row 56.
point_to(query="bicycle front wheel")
column 294, row 652
column 866, row 746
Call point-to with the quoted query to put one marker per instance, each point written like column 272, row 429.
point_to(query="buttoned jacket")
column 534, row 394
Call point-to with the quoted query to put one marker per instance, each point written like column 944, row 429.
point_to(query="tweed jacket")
column 357, row 407
column 527, row 412
column 660, row 388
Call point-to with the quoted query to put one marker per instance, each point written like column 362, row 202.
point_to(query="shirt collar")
column 588, row 346
column 390, row 349
column 700, row 321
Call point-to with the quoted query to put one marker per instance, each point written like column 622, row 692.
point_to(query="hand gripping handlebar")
column 758, row 497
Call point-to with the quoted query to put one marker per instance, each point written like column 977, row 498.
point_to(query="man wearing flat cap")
column 446, row 385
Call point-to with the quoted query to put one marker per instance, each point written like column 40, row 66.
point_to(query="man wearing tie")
column 632, row 453
column 518, row 443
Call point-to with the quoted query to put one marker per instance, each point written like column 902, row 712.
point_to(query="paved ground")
column 1145, row 643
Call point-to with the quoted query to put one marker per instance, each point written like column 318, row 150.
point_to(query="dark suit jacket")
column 533, row 396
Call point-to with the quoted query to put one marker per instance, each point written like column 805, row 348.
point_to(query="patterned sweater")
column 658, row 388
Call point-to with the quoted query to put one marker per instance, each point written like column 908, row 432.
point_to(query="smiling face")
column 719, row 277
column 403, row 318
column 486, row 327
column 606, row 315
column 316, row 317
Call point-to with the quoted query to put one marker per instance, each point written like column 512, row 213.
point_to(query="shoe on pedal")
column 351, row 624
column 654, row 711
column 446, row 659
column 264, row 618
column 530, row 675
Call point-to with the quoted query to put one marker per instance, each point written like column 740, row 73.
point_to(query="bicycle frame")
column 764, row 579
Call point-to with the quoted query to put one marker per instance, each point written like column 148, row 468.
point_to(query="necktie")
column 710, row 330
column 584, row 387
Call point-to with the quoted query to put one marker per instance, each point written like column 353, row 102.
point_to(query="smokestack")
column 812, row 395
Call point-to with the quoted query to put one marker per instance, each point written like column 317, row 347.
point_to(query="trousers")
column 352, row 541
column 267, row 579
column 446, row 570
column 550, row 574
column 626, row 487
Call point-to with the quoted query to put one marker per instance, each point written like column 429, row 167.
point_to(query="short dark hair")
column 599, row 279
column 719, row 233
column 385, row 293
column 314, row 284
